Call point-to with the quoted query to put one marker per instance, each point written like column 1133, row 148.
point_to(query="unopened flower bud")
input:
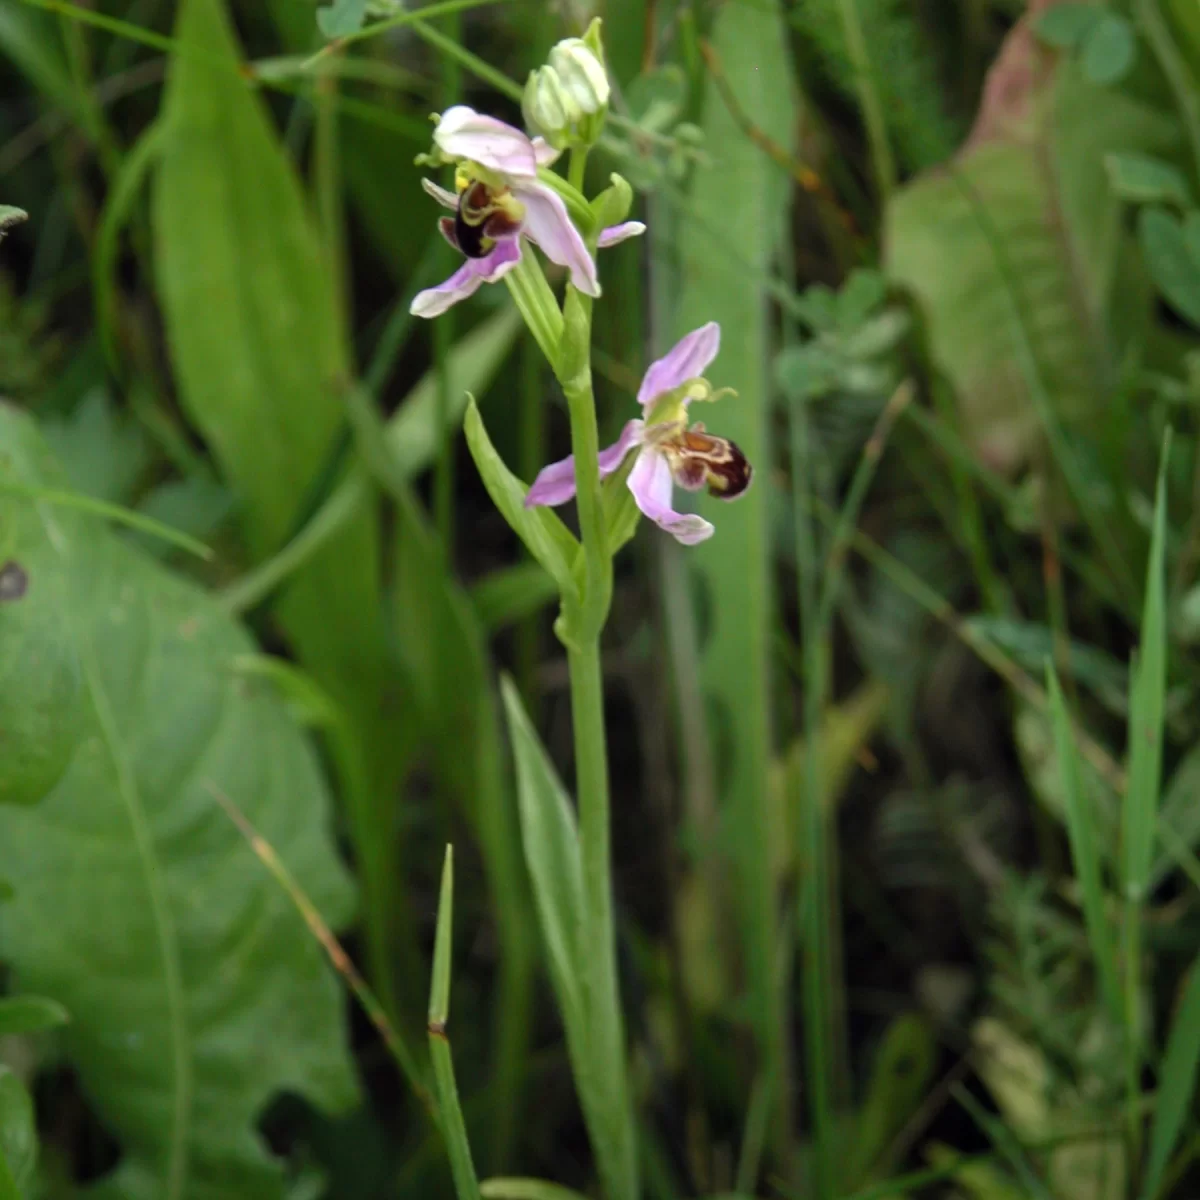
column 582, row 74
column 566, row 101
column 548, row 108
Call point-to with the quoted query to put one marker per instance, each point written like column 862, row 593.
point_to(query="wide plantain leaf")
column 196, row 993
column 1028, row 192
column 260, row 357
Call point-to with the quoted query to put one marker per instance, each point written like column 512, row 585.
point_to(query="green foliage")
column 828, row 834
column 897, row 62
column 733, row 567
column 1031, row 181
column 18, row 1137
column 141, row 946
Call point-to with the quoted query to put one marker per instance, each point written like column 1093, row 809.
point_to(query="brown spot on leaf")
column 14, row 581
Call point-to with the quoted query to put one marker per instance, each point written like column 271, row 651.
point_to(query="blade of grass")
column 466, row 1186
column 1139, row 816
column 340, row 960
column 882, row 162
column 1176, row 1084
column 1084, row 851
column 110, row 512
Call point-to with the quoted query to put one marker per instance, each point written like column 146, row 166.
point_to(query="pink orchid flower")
column 498, row 201
column 670, row 451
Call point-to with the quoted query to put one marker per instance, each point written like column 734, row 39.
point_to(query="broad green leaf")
column 103, row 451
column 341, row 17
column 1143, row 179
column 136, row 902
column 1174, row 269
column 1035, row 166
column 541, row 530
column 734, row 565
column 30, row 1014
column 18, row 1135
column 1066, row 25
column 1108, row 49
column 257, row 348
column 1176, row 1084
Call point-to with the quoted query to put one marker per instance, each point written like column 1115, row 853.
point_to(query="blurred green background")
column 905, row 760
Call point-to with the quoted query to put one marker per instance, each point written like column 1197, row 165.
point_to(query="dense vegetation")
column 848, row 852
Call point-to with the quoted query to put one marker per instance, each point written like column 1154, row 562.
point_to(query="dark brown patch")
column 14, row 581
column 729, row 479
column 437, row 1029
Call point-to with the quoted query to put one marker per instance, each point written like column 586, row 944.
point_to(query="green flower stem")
column 610, row 1115
column 575, row 376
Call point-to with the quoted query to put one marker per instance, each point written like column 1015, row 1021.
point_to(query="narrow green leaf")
column 1085, row 852
column 526, row 1189
column 439, row 988
column 1176, row 273
column 118, row 209
column 1176, row 1084
column 139, row 703
column 30, row 1014
column 18, row 1136
column 1108, row 49
column 900, row 1074
column 551, row 841
column 466, row 1186
column 541, row 530
column 1146, row 709
column 510, row 594
column 412, row 438
column 1065, row 25
column 1143, row 179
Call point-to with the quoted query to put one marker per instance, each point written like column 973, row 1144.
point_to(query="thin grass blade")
column 466, row 1186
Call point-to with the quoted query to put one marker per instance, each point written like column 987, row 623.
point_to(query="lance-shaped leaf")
column 195, row 991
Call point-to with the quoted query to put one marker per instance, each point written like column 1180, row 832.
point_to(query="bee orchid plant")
column 507, row 204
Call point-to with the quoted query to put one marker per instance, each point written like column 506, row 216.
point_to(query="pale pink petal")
column 548, row 224
column 442, row 195
column 463, row 133
column 651, row 484
column 686, row 360
column 467, row 280
column 555, row 484
column 544, row 152
column 618, row 233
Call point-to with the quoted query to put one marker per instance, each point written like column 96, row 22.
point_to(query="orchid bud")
column 582, row 74
column 566, row 101
column 548, row 108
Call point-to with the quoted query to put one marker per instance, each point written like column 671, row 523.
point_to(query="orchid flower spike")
column 497, row 201
column 670, row 451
